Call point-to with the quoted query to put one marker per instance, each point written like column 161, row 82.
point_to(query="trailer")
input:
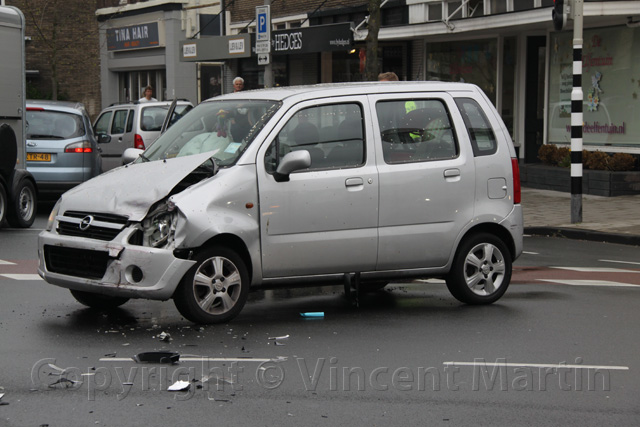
column 18, row 191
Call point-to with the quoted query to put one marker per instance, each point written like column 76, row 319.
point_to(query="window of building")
column 435, row 11
column 472, row 61
column 610, row 86
column 415, row 130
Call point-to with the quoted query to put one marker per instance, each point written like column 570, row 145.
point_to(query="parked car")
column 133, row 125
column 62, row 150
column 345, row 183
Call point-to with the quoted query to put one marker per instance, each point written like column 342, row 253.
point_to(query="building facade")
column 507, row 47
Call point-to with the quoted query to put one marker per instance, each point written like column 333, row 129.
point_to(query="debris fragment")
column 313, row 314
column 179, row 386
column 284, row 337
column 164, row 337
column 64, row 383
column 169, row 357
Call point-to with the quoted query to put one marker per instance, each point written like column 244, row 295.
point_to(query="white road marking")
column 597, row 269
column 603, row 283
column 539, row 365
column 195, row 359
column 3, row 262
column 432, row 281
column 22, row 276
column 620, row 262
column 530, row 253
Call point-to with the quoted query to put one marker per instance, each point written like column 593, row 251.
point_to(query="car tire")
column 22, row 208
column 98, row 301
column 215, row 289
column 3, row 203
column 481, row 270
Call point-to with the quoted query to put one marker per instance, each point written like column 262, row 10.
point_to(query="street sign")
column 263, row 24
column 263, row 47
column 264, row 58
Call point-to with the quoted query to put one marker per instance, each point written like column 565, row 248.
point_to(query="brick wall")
column 68, row 37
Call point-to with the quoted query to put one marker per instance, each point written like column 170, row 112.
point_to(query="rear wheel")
column 93, row 300
column 481, row 270
column 22, row 209
column 215, row 289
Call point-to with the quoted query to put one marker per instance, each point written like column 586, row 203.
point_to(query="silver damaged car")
column 358, row 184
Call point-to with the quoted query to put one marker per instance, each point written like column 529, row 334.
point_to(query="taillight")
column 79, row 147
column 517, row 192
column 138, row 142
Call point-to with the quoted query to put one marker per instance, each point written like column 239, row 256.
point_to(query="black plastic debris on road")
column 168, row 357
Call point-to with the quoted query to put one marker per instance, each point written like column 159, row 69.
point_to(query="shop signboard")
column 215, row 48
column 138, row 36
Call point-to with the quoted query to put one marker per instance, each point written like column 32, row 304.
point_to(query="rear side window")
column 415, row 130
column 333, row 135
column 153, row 117
column 483, row 140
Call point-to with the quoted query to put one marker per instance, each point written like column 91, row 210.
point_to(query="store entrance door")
column 534, row 95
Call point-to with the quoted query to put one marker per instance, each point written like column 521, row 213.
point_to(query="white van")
column 356, row 183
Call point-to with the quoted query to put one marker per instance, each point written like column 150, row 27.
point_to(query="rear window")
column 46, row 124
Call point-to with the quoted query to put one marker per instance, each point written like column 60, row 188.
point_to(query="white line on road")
column 597, row 269
column 603, row 283
column 3, row 262
column 22, row 276
column 620, row 262
column 195, row 359
column 530, row 253
column 539, row 365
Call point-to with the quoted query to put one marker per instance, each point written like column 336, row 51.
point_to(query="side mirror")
column 131, row 154
column 103, row 138
column 291, row 162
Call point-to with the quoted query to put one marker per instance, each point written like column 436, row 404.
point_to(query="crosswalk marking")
column 603, row 283
column 22, row 276
column 597, row 269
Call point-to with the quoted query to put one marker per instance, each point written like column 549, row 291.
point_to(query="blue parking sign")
column 263, row 23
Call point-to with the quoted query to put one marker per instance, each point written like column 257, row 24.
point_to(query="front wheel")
column 215, row 289
column 481, row 270
column 22, row 209
column 97, row 300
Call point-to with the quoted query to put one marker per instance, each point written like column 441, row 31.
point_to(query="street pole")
column 576, row 116
column 268, row 69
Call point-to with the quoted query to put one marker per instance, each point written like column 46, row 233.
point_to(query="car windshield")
column 224, row 128
column 47, row 124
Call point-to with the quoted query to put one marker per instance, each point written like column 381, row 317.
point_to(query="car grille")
column 102, row 227
column 76, row 262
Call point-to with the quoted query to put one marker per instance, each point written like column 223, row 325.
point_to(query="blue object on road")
column 312, row 314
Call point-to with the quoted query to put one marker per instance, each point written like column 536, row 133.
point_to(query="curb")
column 582, row 234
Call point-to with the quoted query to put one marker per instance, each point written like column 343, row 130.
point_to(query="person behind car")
column 238, row 84
column 388, row 77
column 148, row 95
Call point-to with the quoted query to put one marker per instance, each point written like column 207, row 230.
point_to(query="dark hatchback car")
column 62, row 150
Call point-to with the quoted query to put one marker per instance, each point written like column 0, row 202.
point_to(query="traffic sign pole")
column 577, row 99
column 263, row 41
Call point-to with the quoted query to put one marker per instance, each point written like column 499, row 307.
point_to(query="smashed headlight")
column 160, row 225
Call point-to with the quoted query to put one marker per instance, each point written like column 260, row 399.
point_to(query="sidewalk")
column 607, row 219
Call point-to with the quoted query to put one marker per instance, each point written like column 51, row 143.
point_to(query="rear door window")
column 103, row 123
column 119, row 122
column 416, row 130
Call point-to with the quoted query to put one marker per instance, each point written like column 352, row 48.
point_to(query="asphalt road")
column 559, row 348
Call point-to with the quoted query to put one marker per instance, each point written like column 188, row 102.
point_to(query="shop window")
column 415, row 131
column 332, row 134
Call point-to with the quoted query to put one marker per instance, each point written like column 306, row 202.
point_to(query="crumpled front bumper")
column 130, row 271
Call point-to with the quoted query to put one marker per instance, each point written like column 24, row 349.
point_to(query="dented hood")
column 131, row 190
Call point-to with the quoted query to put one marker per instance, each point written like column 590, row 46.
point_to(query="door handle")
column 450, row 173
column 353, row 182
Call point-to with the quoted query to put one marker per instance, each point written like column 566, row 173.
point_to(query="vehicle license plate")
column 38, row 157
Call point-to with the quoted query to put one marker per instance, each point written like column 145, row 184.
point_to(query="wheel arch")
column 496, row 230
column 235, row 243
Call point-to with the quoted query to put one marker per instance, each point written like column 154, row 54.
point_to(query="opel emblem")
column 86, row 222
